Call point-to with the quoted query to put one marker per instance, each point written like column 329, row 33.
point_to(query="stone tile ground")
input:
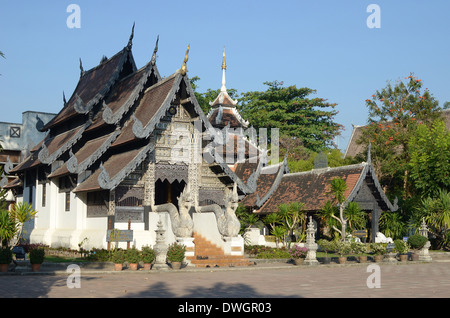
column 414, row 280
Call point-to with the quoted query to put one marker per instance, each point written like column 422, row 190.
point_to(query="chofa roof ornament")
column 183, row 69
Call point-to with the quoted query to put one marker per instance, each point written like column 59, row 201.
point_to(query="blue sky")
column 324, row 44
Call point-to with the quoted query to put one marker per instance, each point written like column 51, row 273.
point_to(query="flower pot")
column 147, row 266
column 35, row 267
column 414, row 257
column 378, row 258
column 118, row 267
column 176, row 265
column 342, row 259
column 403, row 257
column 363, row 259
column 327, row 260
column 133, row 266
column 298, row 261
column 4, row 268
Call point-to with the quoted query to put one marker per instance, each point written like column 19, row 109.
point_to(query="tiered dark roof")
column 106, row 126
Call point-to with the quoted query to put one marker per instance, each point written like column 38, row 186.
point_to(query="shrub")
column 341, row 247
column 100, row 255
column 325, row 245
column 5, row 255
column 37, row 255
column 118, row 257
column 298, row 252
column 417, row 241
column 148, row 254
column 358, row 248
column 378, row 248
column 176, row 252
column 133, row 255
column 401, row 246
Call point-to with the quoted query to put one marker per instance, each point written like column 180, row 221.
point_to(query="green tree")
column 394, row 113
column 429, row 164
column 392, row 224
column 335, row 158
column 272, row 219
column 279, row 232
column 290, row 110
column 292, row 216
column 436, row 213
column 21, row 212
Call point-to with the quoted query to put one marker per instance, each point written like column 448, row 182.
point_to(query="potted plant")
column 402, row 248
column 416, row 242
column 118, row 257
column 298, row 254
column 359, row 249
column 325, row 245
column 5, row 258
column 175, row 255
column 133, row 256
column 37, row 256
column 148, row 256
column 378, row 249
column 342, row 248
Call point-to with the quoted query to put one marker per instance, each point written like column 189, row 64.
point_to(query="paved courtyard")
column 270, row 280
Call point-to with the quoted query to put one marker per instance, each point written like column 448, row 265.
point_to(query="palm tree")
column 356, row 218
column 338, row 187
column 279, row 233
column 292, row 215
column 272, row 220
column 22, row 212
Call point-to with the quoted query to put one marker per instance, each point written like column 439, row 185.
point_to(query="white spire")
column 224, row 67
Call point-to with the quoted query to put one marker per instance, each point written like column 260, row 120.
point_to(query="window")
column 14, row 132
column 67, row 201
column 44, row 194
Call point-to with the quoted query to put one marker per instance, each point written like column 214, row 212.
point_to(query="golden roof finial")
column 224, row 65
column 183, row 69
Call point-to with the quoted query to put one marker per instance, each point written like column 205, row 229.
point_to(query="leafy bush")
column 37, row 255
column 298, row 252
column 378, row 248
column 266, row 252
column 148, row 254
column 176, row 252
column 325, row 245
column 133, row 255
column 342, row 247
column 100, row 255
column 118, row 257
column 401, row 246
column 358, row 248
column 5, row 255
column 417, row 241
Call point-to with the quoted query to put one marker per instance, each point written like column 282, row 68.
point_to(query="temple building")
column 131, row 148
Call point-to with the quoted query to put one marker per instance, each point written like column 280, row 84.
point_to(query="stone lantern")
column 424, row 254
column 160, row 248
column 311, row 244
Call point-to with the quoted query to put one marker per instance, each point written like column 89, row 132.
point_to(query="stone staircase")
column 208, row 254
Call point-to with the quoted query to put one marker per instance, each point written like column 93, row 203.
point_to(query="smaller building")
column 312, row 188
column 17, row 140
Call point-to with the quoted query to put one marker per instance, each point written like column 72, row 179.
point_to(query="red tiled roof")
column 311, row 188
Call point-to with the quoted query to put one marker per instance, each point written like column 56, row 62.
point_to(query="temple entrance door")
column 166, row 192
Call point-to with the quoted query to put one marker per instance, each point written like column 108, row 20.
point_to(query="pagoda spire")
column 224, row 67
